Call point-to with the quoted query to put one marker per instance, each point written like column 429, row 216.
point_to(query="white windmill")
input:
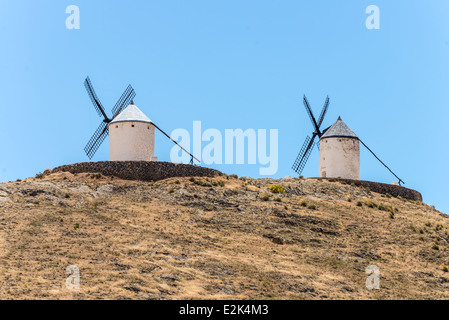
column 132, row 133
column 339, row 149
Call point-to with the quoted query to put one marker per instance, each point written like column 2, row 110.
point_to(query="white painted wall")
column 131, row 141
column 339, row 158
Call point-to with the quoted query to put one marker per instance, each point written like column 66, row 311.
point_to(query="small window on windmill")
column 132, row 125
column 116, row 126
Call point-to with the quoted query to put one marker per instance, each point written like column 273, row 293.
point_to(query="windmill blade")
column 124, row 101
column 310, row 113
column 191, row 155
column 323, row 112
column 96, row 140
column 304, row 154
column 93, row 97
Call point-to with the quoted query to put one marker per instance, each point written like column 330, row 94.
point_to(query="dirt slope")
column 216, row 238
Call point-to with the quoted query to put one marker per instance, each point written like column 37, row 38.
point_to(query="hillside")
column 216, row 238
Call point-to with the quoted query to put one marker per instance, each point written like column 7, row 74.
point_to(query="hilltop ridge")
column 216, row 238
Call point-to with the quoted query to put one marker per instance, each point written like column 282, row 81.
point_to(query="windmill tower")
column 131, row 136
column 339, row 153
column 339, row 149
column 132, row 132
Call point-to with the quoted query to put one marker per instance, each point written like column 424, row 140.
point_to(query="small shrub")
column 391, row 215
column 312, row 207
column 444, row 268
column 390, row 209
column 76, row 225
column 234, row 176
column 277, row 199
column 39, row 175
column 67, row 196
column 218, row 183
column 359, row 204
column 370, row 204
column 303, row 203
column 388, row 195
column 202, row 183
column 435, row 247
column 177, row 182
column 277, row 189
column 265, row 197
column 171, row 190
column 421, row 238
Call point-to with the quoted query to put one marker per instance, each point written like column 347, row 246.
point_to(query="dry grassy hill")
column 216, row 238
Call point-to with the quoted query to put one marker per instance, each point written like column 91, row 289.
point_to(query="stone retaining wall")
column 384, row 188
column 138, row 170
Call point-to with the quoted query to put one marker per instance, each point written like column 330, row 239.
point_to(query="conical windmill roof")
column 131, row 114
column 339, row 129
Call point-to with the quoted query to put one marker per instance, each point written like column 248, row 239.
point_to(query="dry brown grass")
column 175, row 239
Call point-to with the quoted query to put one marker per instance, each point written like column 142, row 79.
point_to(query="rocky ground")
column 216, row 238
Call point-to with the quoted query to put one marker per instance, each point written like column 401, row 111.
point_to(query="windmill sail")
column 307, row 147
column 123, row 101
column 96, row 140
column 102, row 131
column 93, row 97
column 303, row 156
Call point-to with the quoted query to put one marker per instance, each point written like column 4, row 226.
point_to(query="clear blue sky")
column 231, row 64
